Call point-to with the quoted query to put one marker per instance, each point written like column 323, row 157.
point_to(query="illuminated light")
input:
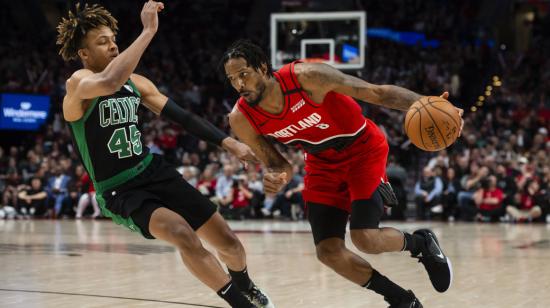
column 480, row 104
column 529, row 16
column 487, row 93
column 473, row 109
column 489, row 88
column 497, row 83
column 481, row 98
column 495, row 78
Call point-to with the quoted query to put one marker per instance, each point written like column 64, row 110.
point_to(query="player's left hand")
column 274, row 182
column 460, row 111
column 240, row 150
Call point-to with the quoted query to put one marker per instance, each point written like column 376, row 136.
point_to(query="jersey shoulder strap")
column 288, row 80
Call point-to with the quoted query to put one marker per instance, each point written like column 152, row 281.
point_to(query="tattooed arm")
column 319, row 79
column 278, row 170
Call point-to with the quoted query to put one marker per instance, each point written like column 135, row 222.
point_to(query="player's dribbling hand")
column 274, row 182
column 460, row 111
column 149, row 15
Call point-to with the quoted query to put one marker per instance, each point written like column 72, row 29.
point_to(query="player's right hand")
column 149, row 15
column 274, row 182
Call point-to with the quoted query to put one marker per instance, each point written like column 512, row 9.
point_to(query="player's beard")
column 260, row 89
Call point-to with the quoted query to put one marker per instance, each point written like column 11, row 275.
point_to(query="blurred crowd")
column 499, row 170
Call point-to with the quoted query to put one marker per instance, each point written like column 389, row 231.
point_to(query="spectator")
column 256, row 186
column 528, row 206
column 30, row 166
column 441, row 160
column 189, row 172
column 33, row 199
column 153, row 147
column 470, row 183
column 428, row 192
column 58, row 189
column 527, row 172
column 168, row 142
column 12, row 184
column 397, row 176
column 190, row 175
column 69, row 204
column 203, row 152
column 451, row 185
column 207, row 184
column 239, row 200
column 506, row 183
column 87, row 197
column 488, row 200
column 224, row 183
column 289, row 202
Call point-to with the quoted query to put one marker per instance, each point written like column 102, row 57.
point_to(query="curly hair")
column 252, row 53
column 71, row 31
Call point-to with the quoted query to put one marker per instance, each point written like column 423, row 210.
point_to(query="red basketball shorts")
column 337, row 178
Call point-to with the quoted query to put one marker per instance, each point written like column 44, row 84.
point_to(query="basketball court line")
column 108, row 296
column 273, row 231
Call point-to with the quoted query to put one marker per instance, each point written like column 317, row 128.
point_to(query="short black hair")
column 252, row 53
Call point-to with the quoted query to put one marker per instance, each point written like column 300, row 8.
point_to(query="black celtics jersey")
column 108, row 139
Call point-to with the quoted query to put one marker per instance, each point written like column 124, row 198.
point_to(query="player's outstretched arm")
column 199, row 127
column 323, row 78
column 85, row 84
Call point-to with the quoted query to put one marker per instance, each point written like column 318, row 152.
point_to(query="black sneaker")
column 258, row 298
column 438, row 266
column 410, row 302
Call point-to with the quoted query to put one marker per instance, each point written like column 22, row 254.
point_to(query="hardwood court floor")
column 98, row 264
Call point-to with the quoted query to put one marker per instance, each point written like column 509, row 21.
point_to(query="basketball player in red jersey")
column 311, row 106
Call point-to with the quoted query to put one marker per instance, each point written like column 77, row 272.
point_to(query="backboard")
column 336, row 38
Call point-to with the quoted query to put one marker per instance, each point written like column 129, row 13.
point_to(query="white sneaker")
column 294, row 211
column 10, row 212
column 505, row 218
column 265, row 211
column 259, row 298
column 437, row 209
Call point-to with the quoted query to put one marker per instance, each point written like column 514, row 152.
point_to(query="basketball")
column 432, row 123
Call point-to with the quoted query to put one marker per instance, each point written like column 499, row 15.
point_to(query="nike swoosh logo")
column 263, row 123
column 226, row 289
column 440, row 254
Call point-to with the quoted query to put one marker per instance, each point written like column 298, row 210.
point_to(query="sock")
column 413, row 243
column 241, row 279
column 233, row 296
column 385, row 287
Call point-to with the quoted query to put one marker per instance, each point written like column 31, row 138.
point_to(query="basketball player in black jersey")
column 135, row 188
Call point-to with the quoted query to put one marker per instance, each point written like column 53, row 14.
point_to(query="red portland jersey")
column 334, row 124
